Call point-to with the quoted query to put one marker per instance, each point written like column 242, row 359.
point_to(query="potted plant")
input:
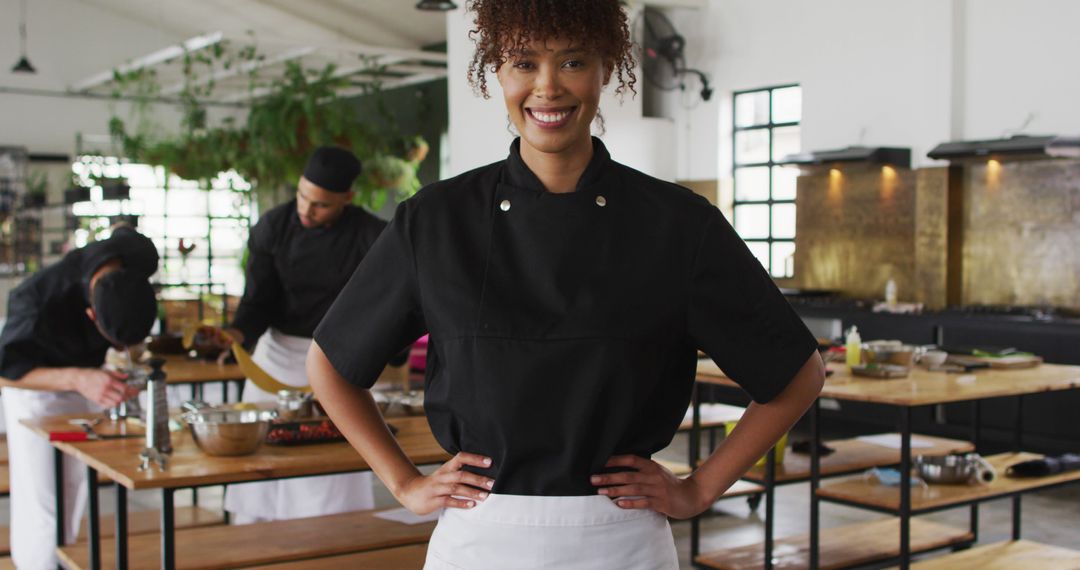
column 36, row 184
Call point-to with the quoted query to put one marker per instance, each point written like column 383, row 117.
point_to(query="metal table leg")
column 225, row 391
column 168, row 531
column 770, row 496
column 976, row 437
column 121, row 528
column 905, row 487
column 815, row 481
column 58, row 474
column 1018, row 444
column 95, row 518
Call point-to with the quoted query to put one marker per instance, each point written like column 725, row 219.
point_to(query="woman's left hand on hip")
column 650, row 486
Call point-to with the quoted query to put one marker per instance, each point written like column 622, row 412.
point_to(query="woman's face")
column 552, row 92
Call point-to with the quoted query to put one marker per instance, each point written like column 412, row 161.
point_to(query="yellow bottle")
column 853, row 347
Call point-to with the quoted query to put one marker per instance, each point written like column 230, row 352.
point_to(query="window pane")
column 785, row 142
column 783, row 259
column 760, row 249
column 752, row 184
column 783, row 221
column 752, row 221
column 783, row 182
column 186, row 202
column 787, row 105
column 752, row 146
column 752, row 109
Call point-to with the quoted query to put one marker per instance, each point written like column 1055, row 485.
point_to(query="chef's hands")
column 651, row 486
column 104, row 387
column 448, row 486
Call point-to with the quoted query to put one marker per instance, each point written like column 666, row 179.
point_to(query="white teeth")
column 544, row 117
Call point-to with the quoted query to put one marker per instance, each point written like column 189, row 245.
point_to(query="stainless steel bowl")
column 888, row 352
column 229, row 432
column 969, row 469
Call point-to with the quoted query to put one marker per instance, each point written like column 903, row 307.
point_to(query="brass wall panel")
column 854, row 231
column 1022, row 239
column 931, row 228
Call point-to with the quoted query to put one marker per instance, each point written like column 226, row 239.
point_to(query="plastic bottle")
column 890, row 293
column 853, row 346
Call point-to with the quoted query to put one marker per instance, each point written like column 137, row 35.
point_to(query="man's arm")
column 263, row 291
column 107, row 389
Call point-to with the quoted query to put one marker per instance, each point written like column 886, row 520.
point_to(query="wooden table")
column 196, row 372
column 921, row 388
column 189, row 467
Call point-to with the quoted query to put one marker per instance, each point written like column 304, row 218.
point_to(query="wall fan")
column 662, row 53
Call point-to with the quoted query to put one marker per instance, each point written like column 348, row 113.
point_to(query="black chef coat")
column 46, row 319
column 563, row 326
column 294, row 273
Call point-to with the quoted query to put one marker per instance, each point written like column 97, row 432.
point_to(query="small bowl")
column 933, row 358
column 229, row 433
column 966, row 469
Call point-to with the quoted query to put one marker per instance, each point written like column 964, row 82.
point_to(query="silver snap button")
column 601, row 201
column 504, row 205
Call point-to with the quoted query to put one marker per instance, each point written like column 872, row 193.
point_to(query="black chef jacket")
column 46, row 320
column 563, row 326
column 294, row 273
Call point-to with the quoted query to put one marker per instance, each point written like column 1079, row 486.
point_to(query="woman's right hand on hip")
column 448, row 486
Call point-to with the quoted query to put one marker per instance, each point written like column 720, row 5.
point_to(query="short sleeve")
column 738, row 317
column 378, row 313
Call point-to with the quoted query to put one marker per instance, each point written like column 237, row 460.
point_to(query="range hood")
column 892, row 156
column 1017, row 146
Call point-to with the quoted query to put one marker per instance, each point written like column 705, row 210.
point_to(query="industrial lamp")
column 436, row 5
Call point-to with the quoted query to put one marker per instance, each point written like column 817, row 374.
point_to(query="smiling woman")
column 566, row 296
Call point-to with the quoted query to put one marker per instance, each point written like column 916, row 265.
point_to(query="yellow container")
column 781, row 446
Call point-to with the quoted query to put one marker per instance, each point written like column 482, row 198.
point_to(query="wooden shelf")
column 859, row 491
column 851, row 456
column 261, row 543
column 840, row 547
column 402, row 557
column 139, row 522
column 713, row 416
column 739, row 489
column 1005, row 556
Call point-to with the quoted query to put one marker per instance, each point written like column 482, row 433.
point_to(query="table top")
column 188, row 466
column 923, row 387
column 180, row 369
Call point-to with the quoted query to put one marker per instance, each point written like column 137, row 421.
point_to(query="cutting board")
column 1003, row 362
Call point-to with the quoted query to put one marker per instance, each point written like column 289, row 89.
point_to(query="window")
column 766, row 130
column 212, row 222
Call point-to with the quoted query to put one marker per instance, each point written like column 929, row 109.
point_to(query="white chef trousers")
column 33, row 491
column 568, row 533
column 283, row 357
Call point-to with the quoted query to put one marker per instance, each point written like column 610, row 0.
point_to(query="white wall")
column 912, row 73
column 478, row 127
column 65, row 40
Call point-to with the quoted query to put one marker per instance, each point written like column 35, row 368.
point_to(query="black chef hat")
column 124, row 306
column 332, row 168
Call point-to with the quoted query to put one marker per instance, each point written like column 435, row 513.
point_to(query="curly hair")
column 505, row 26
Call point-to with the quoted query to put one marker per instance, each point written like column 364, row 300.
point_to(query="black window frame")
column 770, row 164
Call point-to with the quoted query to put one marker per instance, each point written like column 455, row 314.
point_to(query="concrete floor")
column 1050, row 517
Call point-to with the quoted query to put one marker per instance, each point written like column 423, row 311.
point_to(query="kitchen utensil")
column 294, row 405
column 88, row 436
column 968, row 468
column 229, row 432
column 880, row 371
column 933, row 358
column 158, row 444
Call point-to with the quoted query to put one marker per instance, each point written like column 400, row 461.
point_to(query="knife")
column 84, row 436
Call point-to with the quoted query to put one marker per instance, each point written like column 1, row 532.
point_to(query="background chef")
column 300, row 256
column 61, row 322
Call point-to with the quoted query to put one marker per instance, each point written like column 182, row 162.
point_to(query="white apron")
column 283, row 357
column 33, row 494
column 568, row 533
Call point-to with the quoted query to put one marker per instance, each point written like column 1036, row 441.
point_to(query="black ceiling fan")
column 662, row 53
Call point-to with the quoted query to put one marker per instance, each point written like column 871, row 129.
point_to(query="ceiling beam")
column 154, row 58
column 235, row 70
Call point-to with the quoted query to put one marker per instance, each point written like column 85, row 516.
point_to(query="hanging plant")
column 288, row 117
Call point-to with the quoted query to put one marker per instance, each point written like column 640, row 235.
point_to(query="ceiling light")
column 23, row 65
column 436, row 5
